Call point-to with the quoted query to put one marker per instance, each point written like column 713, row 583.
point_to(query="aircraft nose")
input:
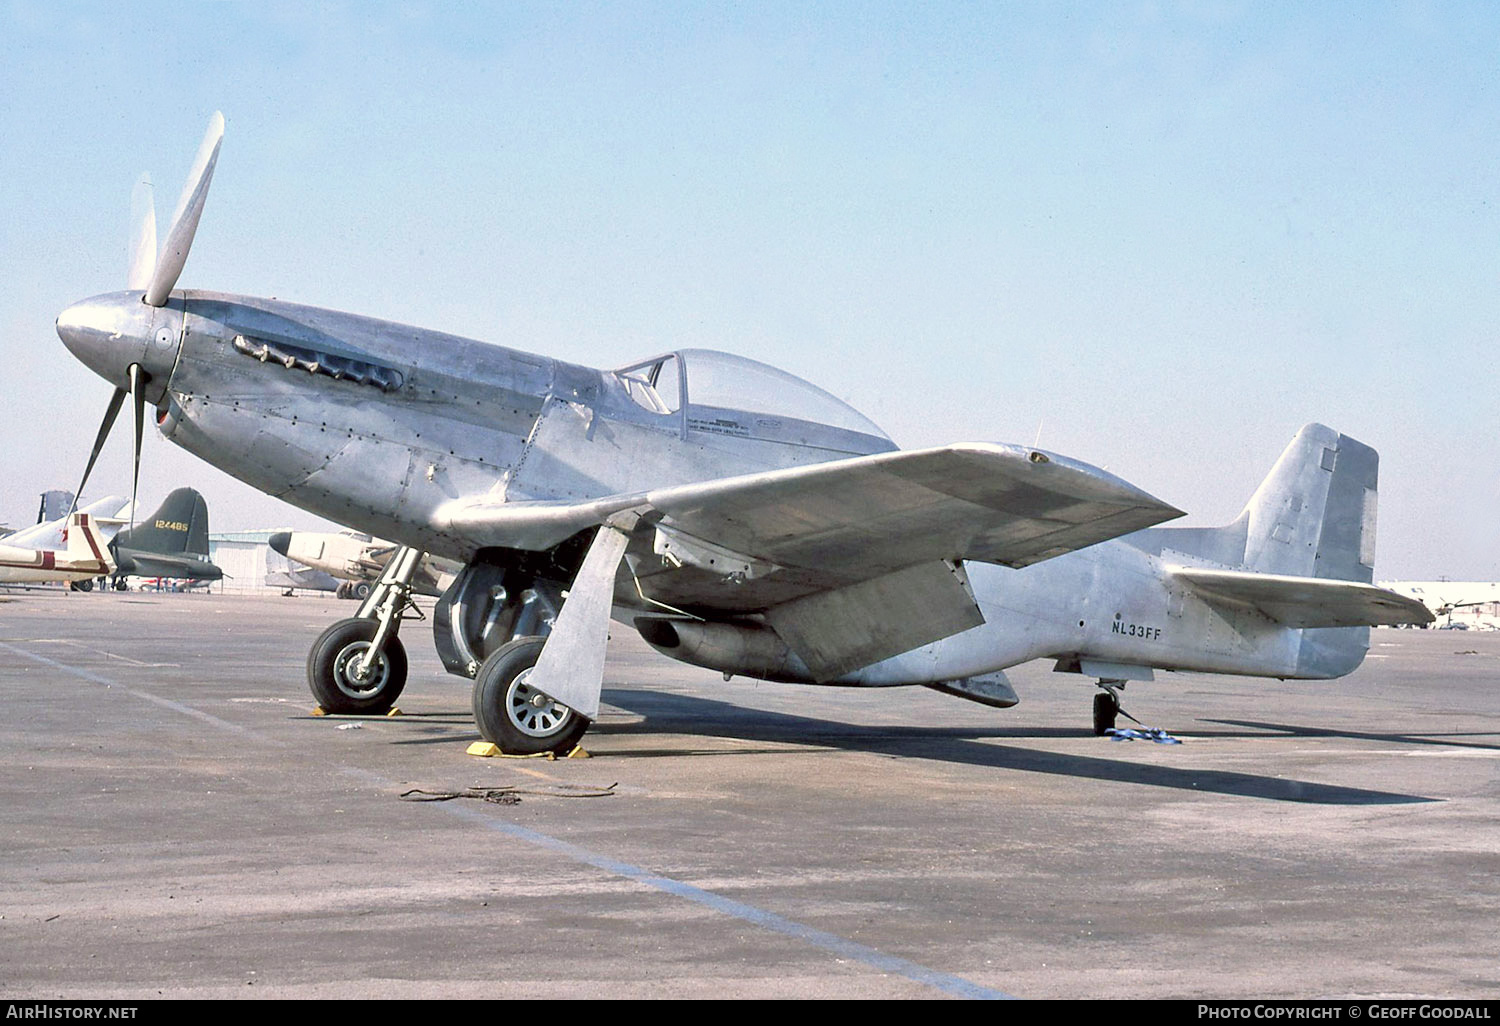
column 280, row 541
column 75, row 326
column 104, row 333
column 108, row 333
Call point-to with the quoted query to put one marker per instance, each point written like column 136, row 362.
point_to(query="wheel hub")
column 532, row 712
column 353, row 677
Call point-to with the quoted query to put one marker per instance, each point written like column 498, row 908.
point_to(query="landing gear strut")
column 358, row 666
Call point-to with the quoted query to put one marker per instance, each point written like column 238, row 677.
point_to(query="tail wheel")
column 335, row 662
column 515, row 716
column 1106, row 708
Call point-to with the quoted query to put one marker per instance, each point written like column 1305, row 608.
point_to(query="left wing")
column 859, row 518
column 1305, row 601
column 855, row 560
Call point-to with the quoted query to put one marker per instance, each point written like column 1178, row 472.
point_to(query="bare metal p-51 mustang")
column 740, row 518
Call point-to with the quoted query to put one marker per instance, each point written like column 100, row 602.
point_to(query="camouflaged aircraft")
column 737, row 516
column 171, row 543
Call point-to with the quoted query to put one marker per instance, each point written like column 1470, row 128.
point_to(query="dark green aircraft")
column 172, row 542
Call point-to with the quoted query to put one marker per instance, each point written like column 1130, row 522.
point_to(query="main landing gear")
column 491, row 625
column 358, row 665
column 515, row 716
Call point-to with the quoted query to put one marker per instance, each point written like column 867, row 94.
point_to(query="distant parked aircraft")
column 172, row 542
column 1444, row 598
column 360, row 559
column 84, row 558
column 109, row 514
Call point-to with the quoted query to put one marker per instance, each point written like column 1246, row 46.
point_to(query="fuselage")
column 144, row 563
column 382, row 426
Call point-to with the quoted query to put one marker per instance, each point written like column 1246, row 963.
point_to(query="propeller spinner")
column 131, row 338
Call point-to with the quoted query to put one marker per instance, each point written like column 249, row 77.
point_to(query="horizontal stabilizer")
column 1304, row 601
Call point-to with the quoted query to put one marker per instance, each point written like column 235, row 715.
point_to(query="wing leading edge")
column 860, row 518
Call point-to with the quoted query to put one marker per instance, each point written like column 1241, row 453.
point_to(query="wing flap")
column 840, row 630
column 1305, row 601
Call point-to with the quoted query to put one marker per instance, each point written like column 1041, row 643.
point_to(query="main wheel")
column 514, row 715
column 1106, row 708
column 84, row 585
column 330, row 669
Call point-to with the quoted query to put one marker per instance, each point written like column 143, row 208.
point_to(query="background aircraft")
column 306, row 578
column 84, row 557
column 1444, row 598
column 740, row 517
column 109, row 514
column 357, row 558
column 172, row 543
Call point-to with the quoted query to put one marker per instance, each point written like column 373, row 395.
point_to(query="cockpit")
column 718, row 393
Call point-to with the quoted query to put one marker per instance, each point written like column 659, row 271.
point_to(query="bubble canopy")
column 706, row 377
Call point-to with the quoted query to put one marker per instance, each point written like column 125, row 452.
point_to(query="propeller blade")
column 142, row 236
column 185, row 220
column 110, row 413
column 138, row 394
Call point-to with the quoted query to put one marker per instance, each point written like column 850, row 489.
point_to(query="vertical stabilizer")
column 1314, row 515
column 86, row 550
column 179, row 526
column 55, row 505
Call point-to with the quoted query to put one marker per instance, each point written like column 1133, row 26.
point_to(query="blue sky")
column 1163, row 235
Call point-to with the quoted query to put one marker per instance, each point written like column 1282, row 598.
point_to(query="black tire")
column 84, row 585
column 1105, row 711
column 360, row 590
column 120, row 584
column 509, row 713
column 335, row 688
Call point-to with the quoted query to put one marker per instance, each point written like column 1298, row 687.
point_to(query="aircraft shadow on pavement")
column 1446, row 738
column 702, row 716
